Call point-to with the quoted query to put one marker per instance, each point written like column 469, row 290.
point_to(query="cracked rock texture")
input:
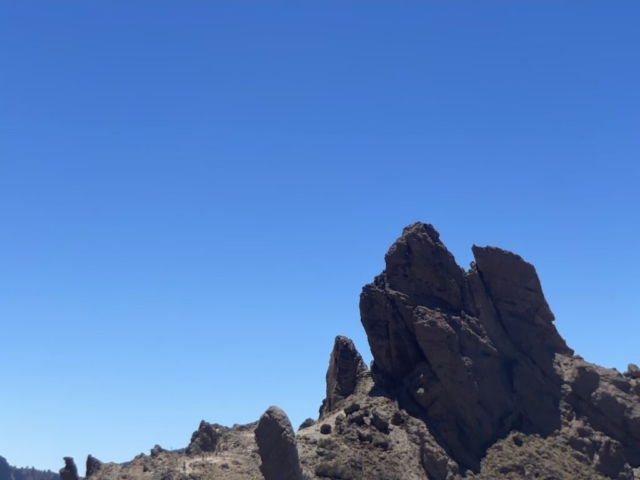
column 346, row 367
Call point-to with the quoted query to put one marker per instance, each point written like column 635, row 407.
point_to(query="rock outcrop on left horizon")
column 9, row 472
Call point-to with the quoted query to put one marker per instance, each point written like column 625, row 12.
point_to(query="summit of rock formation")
column 476, row 354
column 206, row 438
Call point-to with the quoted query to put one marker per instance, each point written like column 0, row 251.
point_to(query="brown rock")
column 277, row 446
column 475, row 354
column 352, row 407
column 346, row 368
column 206, row 438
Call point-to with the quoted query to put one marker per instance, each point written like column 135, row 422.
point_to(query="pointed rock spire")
column 346, row 368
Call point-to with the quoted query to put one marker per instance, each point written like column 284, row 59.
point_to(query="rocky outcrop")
column 346, row 368
column 93, row 466
column 277, row 446
column 70, row 471
column 206, row 438
column 476, row 354
column 309, row 422
column 633, row 371
column 470, row 380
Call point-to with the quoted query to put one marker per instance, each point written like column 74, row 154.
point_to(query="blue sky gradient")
column 192, row 194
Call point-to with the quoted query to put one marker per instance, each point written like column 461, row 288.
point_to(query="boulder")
column 277, row 446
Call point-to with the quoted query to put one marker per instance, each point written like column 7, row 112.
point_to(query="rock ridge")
column 470, row 380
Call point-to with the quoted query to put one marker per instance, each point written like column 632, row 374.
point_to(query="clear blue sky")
column 192, row 194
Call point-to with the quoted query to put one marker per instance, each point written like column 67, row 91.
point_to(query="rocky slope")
column 470, row 379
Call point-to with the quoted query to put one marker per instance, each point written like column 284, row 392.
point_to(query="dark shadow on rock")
column 470, row 353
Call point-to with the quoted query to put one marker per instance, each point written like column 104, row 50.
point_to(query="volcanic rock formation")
column 206, row 438
column 469, row 380
column 476, row 355
column 277, row 446
column 345, row 368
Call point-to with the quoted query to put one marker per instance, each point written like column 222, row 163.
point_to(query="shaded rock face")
column 277, row 446
column 475, row 354
column 346, row 367
column 309, row 422
column 70, row 471
column 206, row 438
column 93, row 466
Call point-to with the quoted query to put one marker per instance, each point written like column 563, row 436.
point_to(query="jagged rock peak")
column 473, row 353
column 277, row 446
column 93, row 465
column 70, row 470
column 346, row 368
column 206, row 438
column 418, row 263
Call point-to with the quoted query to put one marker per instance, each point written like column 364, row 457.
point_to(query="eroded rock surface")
column 476, row 354
column 346, row 368
column 277, row 446
column 206, row 438
column 235, row 458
